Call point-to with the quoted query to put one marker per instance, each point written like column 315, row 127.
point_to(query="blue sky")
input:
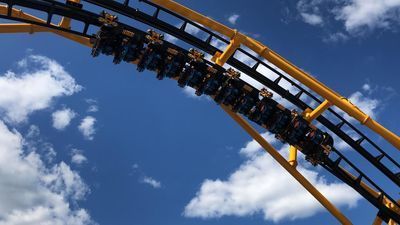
column 83, row 141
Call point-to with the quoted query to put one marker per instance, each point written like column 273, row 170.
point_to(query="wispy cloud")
column 151, row 181
column 93, row 105
column 77, row 157
column 86, row 127
column 232, row 19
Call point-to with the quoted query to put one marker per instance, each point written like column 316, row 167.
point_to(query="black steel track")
column 205, row 45
column 52, row 7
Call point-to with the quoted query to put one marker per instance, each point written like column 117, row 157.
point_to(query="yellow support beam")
column 282, row 161
column 31, row 28
column 221, row 58
column 312, row 115
column 21, row 28
column 288, row 67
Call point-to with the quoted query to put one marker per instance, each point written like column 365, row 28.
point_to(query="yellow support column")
column 65, row 21
column 282, row 161
column 293, row 156
column 221, row 58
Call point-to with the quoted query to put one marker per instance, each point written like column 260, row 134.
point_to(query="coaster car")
column 264, row 109
column 296, row 131
column 173, row 64
column 153, row 54
column 279, row 120
column 130, row 48
column 213, row 83
column 317, row 146
column 231, row 88
column 109, row 37
column 248, row 100
column 211, row 74
column 194, row 71
column 316, row 154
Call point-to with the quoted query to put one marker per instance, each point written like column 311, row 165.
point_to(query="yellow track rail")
column 237, row 39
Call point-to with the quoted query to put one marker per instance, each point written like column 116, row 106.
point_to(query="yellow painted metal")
column 221, row 58
column 288, row 67
column 293, row 156
column 317, row 111
column 376, row 194
column 21, row 28
column 377, row 221
column 65, row 21
column 308, row 115
column 29, row 28
column 282, row 161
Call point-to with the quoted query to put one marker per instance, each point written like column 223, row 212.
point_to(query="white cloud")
column 365, row 103
column 151, row 181
column 62, row 118
column 366, row 87
column 357, row 16
column 32, row 90
column 93, row 107
column 233, row 18
column 77, row 157
column 261, row 186
column 135, row 166
column 369, row 13
column 31, row 192
column 310, row 12
column 336, row 37
column 312, row 19
column 87, row 127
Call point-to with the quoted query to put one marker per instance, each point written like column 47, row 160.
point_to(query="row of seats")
column 151, row 52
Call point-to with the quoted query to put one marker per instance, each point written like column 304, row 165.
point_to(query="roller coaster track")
column 388, row 207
